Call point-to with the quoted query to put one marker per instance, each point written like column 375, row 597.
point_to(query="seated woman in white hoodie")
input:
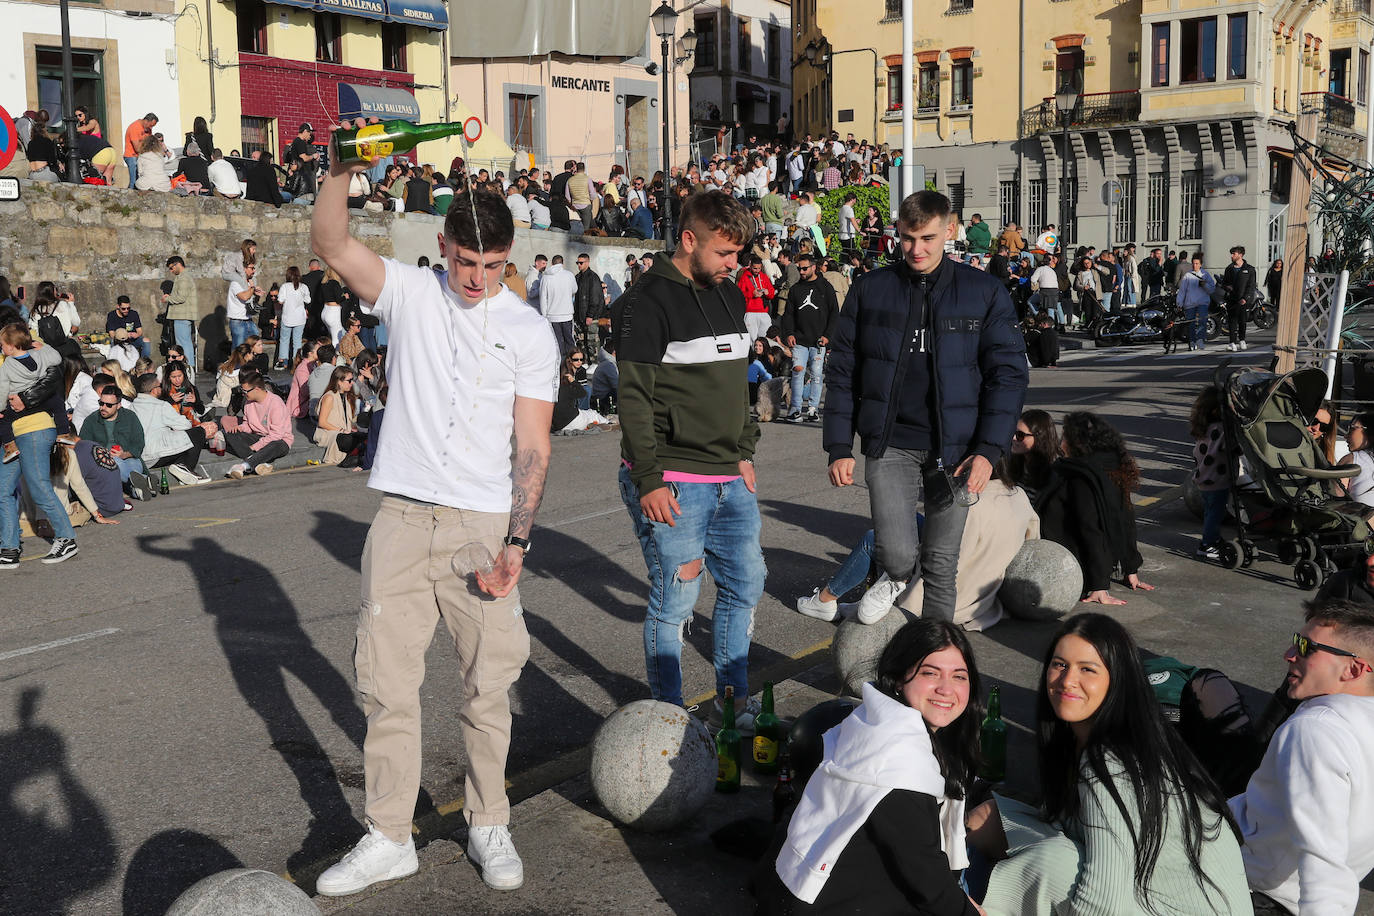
column 880, row 827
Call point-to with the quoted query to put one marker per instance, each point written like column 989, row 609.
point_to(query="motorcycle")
column 1158, row 319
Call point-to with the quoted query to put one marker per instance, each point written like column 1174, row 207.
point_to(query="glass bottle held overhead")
column 363, row 144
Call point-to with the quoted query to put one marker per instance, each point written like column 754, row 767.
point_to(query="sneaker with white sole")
column 184, row 477
column 374, row 859
column 141, row 487
column 491, row 850
column 62, row 549
column 237, row 471
column 263, row 469
column 1244, row 345
column 1209, row 552
column 9, row 558
column 744, row 715
column 812, row 606
column 878, row 600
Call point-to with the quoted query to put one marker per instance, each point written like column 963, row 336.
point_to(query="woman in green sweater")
column 1130, row 823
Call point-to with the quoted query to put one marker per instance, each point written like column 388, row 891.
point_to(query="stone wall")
column 101, row 242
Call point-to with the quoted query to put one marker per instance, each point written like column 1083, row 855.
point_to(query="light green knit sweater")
column 1088, row 868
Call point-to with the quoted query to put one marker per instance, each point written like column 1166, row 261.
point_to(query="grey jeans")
column 900, row 483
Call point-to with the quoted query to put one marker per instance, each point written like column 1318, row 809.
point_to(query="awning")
column 427, row 14
column 751, row 91
column 357, row 101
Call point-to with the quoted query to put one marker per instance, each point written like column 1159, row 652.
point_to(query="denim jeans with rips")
column 719, row 525
column 806, row 377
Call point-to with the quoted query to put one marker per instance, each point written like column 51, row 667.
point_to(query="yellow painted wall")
column 1196, row 98
column 194, row 71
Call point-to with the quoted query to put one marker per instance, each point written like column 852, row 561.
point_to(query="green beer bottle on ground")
column 162, row 487
column 727, row 747
column 385, row 139
column 768, row 736
column 993, row 735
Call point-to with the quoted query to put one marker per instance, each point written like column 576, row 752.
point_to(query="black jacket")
column 892, row 865
column 812, row 311
column 978, row 351
column 1084, row 509
column 590, row 301
column 262, row 184
column 196, row 169
column 1240, row 284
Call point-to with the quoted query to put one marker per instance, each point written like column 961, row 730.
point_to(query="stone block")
column 1043, row 582
column 64, row 241
column 858, row 646
column 244, row 222
column 47, row 211
column 212, row 222
column 653, row 766
column 243, row 892
column 151, row 220
column 103, row 241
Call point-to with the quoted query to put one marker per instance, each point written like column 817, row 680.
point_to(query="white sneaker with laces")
column 1244, row 345
column 187, row 478
column 374, row 859
column 812, row 606
column 878, row 600
column 745, row 714
column 491, row 850
column 237, row 471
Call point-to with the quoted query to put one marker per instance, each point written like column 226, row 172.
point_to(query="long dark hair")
column 1206, row 411
column 1033, row 468
column 1129, row 728
column 1085, row 433
column 72, row 366
column 956, row 746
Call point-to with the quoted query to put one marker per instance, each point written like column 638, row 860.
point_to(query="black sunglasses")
column 1324, row 427
column 1307, row 646
column 109, row 403
column 1022, row 437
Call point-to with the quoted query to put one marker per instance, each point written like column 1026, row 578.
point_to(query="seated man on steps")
column 169, row 439
column 264, row 435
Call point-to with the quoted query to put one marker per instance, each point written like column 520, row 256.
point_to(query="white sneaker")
column 1244, row 345
column 186, row 478
column 1231, row 347
column 878, row 600
column 237, row 471
column 374, row 859
column 813, row 606
column 491, row 850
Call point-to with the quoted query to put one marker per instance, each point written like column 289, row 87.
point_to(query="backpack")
column 1211, row 717
column 51, row 332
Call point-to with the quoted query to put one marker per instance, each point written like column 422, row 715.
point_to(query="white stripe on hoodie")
column 882, row 745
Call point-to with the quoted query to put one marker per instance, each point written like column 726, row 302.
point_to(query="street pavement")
column 178, row 699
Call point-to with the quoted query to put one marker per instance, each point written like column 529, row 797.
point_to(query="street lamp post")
column 69, row 96
column 1065, row 100
column 665, row 23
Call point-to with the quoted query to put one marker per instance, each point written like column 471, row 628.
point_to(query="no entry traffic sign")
column 9, row 138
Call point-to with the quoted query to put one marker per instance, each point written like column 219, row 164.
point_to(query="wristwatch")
column 522, row 543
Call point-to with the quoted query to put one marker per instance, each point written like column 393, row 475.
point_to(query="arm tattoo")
column 528, row 471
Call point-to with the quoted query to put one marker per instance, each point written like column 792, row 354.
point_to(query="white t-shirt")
column 807, row 215
column 1045, row 278
column 293, row 300
column 234, row 306
column 224, row 178
column 519, row 209
column 454, row 371
column 846, row 222
column 539, row 214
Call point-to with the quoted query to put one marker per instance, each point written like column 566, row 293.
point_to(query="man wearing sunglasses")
column 1307, row 815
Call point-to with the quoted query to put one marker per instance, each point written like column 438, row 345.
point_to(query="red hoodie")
column 756, row 288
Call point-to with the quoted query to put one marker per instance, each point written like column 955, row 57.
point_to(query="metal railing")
column 1094, row 109
column 1336, row 110
column 960, row 6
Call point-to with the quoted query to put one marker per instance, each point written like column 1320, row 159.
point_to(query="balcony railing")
column 1335, row 110
column 1094, row 109
column 1348, row 9
column 960, row 6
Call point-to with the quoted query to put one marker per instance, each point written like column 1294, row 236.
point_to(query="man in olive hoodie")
column 687, row 446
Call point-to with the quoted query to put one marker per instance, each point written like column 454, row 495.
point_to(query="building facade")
column 125, row 62
column 742, row 69
column 256, row 71
column 1184, row 104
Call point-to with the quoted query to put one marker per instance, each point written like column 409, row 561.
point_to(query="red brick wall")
column 294, row 91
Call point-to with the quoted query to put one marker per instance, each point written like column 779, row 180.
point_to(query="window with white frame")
column 1157, row 208
column 1009, row 200
column 1124, row 213
column 1036, row 190
column 1190, row 205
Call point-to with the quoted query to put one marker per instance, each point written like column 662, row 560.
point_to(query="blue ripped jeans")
column 720, row 525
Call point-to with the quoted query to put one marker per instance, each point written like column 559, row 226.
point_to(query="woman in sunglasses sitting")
column 1130, row 822
column 1360, row 438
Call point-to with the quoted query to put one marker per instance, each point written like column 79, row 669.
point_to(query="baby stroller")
column 1282, row 490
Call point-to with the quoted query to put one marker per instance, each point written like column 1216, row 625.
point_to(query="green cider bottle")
column 727, row 748
column 768, row 735
column 162, row 487
column 363, row 144
column 993, row 738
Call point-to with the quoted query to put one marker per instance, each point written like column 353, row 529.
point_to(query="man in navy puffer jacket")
column 929, row 368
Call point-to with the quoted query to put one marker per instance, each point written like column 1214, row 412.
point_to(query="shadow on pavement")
column 166, row 865
column 52, row 852
column 342, row 537
column 263, row 641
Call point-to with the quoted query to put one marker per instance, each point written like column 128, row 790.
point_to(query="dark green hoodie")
column 683, row 352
